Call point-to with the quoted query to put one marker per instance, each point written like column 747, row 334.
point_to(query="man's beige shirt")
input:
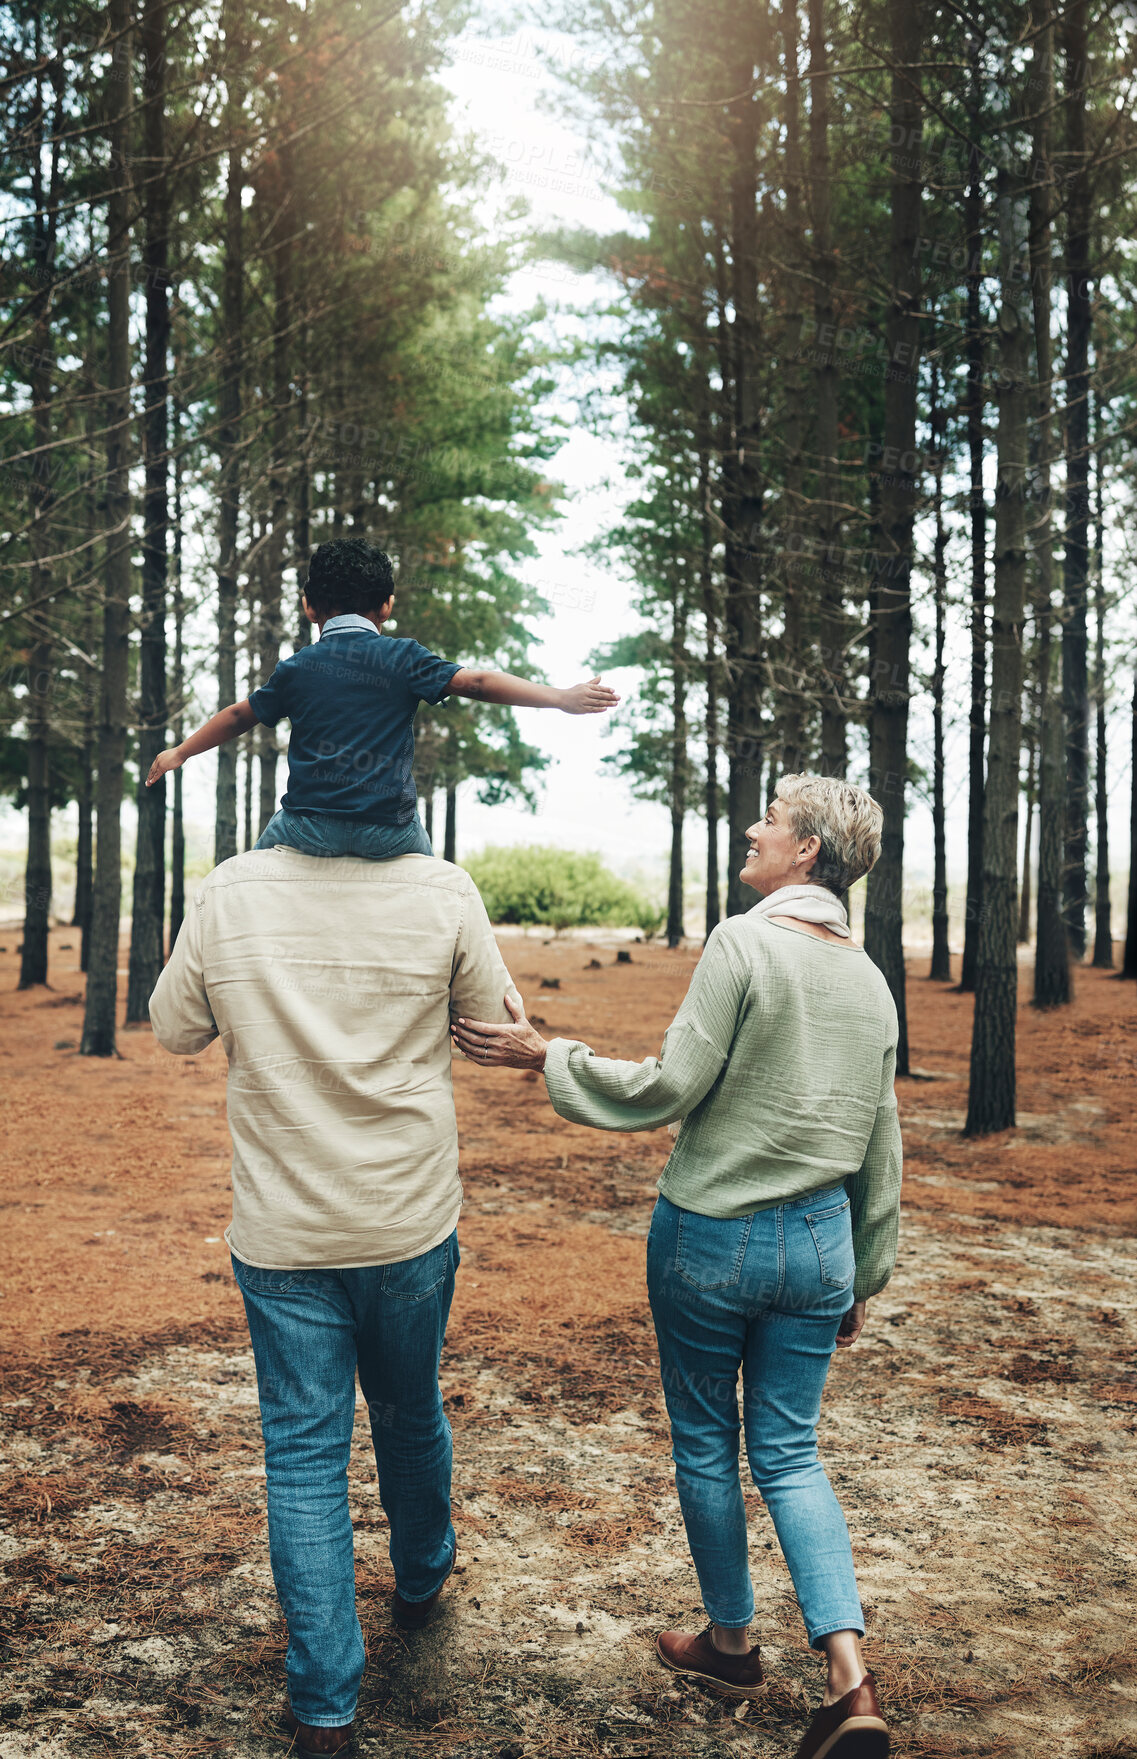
column 331, row 984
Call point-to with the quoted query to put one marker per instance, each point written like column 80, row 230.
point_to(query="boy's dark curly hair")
column 346, row 574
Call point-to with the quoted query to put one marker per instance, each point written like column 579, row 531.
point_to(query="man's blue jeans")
column 766, row 1294
column 311, row 1330
column 328, row 833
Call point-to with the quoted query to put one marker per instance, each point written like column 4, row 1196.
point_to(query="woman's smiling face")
column 777, row 858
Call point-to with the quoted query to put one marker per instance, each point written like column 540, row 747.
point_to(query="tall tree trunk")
column 889, row 691
column 450, row 831
column 85, row 843
column 744, row 582
column 1051, row 947
column 251, row 835
column 977, row 506
column 271, row 621
column 98, row 1037
column 92, row 675
column 1129, row 959
column 1075, row 567
column 37, row 874
column 678, row 779
column 941, row 950
column 149, row 907
column 826, row 509
column 249, row 747
column 228, row 443
column 302, row 529
column 1103, row 932
column 428, row 814
column 712, row 669
column 1028, row 837
column 178, row 823
column 792, row 694
column 991, row 1095
column 1051, row 943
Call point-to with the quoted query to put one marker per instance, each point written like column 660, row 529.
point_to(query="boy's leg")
column 384, row 842
column 303, row 1336
column 401, row 1312
column 422, row 844
column 276, row 831
column 310, row 833
column 324, row 834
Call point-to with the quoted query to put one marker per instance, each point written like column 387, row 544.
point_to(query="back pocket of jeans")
column 256, row 1279
column 710, row 1251
column 416, row 1278
column 833, row 1237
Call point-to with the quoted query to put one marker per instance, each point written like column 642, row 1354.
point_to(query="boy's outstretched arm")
column 591, row 698
column 227, row 723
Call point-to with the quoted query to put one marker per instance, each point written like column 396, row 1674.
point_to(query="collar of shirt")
column 350, row 620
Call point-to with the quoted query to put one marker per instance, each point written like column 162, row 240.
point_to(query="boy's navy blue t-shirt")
column 351, row 698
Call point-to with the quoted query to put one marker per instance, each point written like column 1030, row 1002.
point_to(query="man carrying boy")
column 351, row 699
column 332, row 985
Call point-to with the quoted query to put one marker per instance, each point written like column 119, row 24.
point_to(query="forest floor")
column 980, row 1435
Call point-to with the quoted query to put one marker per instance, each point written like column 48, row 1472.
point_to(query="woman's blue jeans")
column 311, row 1330
column 326, row 833
column 766, row 1294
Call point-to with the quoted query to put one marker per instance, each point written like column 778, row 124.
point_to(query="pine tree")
column 149, row 909
column 98, row 1037
column 1052, row 954
column 991, row 1093
column 1076, row 427
column 889, row 683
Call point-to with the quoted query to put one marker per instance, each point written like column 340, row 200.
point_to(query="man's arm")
column 591, row 698
column 479, row 974
column 227, row 723
column 179, row 1008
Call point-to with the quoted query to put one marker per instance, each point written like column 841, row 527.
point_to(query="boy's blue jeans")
column 766, row 1294
column 323, row 833
column 311, row 1330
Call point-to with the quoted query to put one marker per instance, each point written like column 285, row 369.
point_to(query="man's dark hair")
column 347, row 574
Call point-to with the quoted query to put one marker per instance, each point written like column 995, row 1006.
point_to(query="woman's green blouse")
column 780, row 1064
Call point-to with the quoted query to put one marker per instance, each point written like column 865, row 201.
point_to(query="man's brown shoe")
column 316, row 1743
column 732, row 1676
column 852, row 1728
column 412, row 1615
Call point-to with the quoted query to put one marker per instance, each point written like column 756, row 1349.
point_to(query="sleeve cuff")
column 444, row 689
column 558, row 1080
column 264, row 715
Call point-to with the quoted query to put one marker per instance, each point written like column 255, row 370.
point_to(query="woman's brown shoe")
column 852, row 1728
column 732, row 1676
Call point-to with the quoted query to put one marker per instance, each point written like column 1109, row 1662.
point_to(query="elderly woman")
column 776, row 1221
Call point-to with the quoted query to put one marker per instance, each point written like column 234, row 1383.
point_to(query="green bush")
column 559, row 889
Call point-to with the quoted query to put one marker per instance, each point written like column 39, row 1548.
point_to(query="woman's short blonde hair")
column 846, row 820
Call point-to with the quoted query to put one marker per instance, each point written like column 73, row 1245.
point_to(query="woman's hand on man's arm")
column 517, row 1046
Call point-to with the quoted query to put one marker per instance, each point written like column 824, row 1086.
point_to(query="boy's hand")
column 165, row 760
column 588, row 699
